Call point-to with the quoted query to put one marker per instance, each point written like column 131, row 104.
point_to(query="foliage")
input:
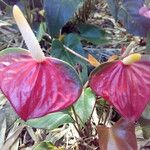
column 92, row 34
column 29, row 92
column 67, row 78
column 84, row 106
column 128, row 12
column 46, row 146
column 114, row 7
column 51, row 121
column 72, row 41
column 58, row 12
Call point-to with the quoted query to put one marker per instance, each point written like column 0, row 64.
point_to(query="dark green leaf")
column 92, row 34
column 50, row 121
column 84, row 106
column 58, row 12
column 114, row 7
column 72, row 41
column 59, row 51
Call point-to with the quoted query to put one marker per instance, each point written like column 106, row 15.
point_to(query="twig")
column 5, row 3
column 110, row 114
column 74, row 123
column 76, row 118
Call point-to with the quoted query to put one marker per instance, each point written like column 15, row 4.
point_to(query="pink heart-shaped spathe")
column 36, row 89
column 144, row 11
column 126, row 87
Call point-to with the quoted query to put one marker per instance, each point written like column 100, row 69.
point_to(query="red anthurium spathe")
column 125, row 84
column 34, row 84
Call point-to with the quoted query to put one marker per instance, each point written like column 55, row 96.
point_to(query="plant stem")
column 93, row 110
column 74, row 123
column 107, row 114
column 76, row 119
column 76, row 54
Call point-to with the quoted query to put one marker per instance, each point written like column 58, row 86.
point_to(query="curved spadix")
column 28, row 35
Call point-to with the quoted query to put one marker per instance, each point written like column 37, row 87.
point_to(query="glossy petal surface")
column 126, row 87
column 36, row 89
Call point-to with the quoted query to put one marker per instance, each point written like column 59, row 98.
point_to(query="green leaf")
column 145, row 125
column 59, row 51
column 85, row 105
column 92, row 34
column 58, row 12
column 146, row 113
column 146, row 131
column 46, row 146
column 41, row 31
column 13, row 50
column 72, row 41
column 50, row 121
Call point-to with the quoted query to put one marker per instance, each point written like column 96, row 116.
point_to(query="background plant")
column 57, row 31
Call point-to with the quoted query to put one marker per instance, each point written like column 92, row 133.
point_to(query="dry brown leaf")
column 15, row 146
column 32, row 134
column 112, row 58
column 93, row 61
column 119, row 137
column 9, row 142
column 2, row 131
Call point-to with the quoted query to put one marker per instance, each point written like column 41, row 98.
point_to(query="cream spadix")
column 131, row 59
column 28, row 35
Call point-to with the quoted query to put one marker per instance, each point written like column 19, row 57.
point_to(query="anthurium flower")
column 144, row 11
column 124, row 84
column 34, row 84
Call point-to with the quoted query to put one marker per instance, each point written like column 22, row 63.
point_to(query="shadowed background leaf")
column 72, row 41
column 58, row 12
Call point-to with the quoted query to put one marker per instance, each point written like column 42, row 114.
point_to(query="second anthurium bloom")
column 124, row 84
column 34, row 84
